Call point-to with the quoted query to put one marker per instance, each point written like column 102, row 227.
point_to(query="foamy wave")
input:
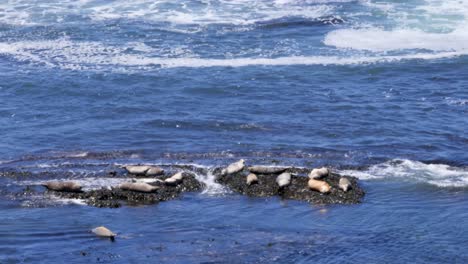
column 433, row 25
column 71, row 55
column 435, row 174
column 21, row 12
column 211, row 186
column 379, row 40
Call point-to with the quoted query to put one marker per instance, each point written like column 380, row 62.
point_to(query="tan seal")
column 320, row 186
column 104, row 232
column 234, row 167
column 65, row 186
column 138, row 187
column 143, row 170
column 319, row 173
column 344, row 184
column 266, row 169
column 251, row 179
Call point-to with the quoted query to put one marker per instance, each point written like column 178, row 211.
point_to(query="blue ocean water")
column 373, row 89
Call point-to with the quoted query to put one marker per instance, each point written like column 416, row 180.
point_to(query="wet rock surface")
column 296, row 190
column 112, row 196
column 115, row 197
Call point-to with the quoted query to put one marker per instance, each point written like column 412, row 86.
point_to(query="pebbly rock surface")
column 114, row 197
column 297, row 190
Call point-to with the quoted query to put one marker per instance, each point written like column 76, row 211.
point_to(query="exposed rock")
column 297, row 190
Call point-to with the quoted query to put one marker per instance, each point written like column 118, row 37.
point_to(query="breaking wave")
column 440, row 175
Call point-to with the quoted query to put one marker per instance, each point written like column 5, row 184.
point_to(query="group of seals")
column 259, row 180
column 284, row 179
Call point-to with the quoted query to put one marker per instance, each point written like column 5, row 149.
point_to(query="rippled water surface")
column 373, row 89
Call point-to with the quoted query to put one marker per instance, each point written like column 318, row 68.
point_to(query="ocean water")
column 373, row 89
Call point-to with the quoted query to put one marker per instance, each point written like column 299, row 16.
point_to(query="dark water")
column 377, row 90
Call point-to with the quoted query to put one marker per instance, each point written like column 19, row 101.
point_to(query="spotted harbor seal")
column 319, row 173
column 344, row 184
column 234, row 167
column 251, row 179
column 104, row 232
column 138, row 187
column 266, row 169
column 66, row 186
column 284, row 179
column 143, row 170
column 320, row 186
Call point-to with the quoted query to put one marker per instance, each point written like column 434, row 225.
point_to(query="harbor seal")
column 138, row 187
column 319, row 173
column 146, row 180
column 154, row 170
column 178, row 176
column 344, row 184
column 174, row 179
column 143, row 170
column 104, row 232
column 284, row 179
column 251, row 179
column 234, row 167
column 66, row 186
column 266, row 169
column 320, row 186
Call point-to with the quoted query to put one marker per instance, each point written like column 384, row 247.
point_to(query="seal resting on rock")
column 319, row 173
column 251, row 179
column 174, row 179
column 104, row 232
column 344, row 184
column 234, row 167
column 266, row 169
column 284, row 179
column 138, row 187
column 143, row 170
column 320, row 186
column 153, row 171
column 67, row 186
column 146, row 180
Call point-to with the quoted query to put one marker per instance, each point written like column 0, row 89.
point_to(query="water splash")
column 440, row 175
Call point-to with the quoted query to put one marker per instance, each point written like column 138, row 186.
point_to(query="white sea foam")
column 21, row 12
column 211, row 186
column 432, row 25
column 73, row 55
column 379, row 40
column 435, row 174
